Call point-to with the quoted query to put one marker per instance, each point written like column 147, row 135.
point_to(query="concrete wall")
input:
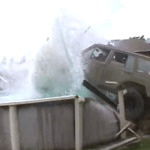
column 51, row 125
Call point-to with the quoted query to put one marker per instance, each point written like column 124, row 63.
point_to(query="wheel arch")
column 139, row 87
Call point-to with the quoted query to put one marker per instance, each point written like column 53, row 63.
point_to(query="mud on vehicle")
column 130, row 70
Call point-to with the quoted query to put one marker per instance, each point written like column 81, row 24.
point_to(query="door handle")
column 127, row 72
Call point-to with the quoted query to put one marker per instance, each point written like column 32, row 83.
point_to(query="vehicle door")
column 95, row 67
column 119, row 69
column 142, row 73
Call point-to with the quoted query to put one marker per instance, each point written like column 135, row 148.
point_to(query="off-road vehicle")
column 130, row 70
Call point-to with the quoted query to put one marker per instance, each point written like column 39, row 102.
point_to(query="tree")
column 138, row 37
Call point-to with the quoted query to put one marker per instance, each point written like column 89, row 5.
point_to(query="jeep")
column 103, row 64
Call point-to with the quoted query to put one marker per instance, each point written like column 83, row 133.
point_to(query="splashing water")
column 18, row 84
column 51, row 74
column 55, row 76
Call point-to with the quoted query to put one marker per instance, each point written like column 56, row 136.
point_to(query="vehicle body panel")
column 97, row 72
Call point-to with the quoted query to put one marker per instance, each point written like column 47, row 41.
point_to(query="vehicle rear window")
column 143, row 65
column 100, row 54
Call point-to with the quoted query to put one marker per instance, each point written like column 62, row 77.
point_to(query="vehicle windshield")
column 100, row 54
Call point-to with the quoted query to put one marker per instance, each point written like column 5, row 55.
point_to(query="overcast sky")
column 25, row 24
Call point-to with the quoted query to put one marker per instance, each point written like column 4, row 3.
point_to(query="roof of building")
column 131, row 45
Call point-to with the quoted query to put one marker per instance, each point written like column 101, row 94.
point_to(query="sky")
column 25, row 24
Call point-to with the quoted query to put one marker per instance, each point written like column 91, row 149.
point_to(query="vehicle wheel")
column 134, row 104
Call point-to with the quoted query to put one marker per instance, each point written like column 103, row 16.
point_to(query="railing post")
column 123, row 120
column 14, row 132
column 79, row 123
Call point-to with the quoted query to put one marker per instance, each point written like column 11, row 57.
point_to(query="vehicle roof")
column 138, row 53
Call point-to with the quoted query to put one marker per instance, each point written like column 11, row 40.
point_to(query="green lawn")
column 143, row 145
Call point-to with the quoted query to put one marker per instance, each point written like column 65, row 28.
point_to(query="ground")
column 143, row 145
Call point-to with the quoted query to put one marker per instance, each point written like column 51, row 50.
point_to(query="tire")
column 134, row 104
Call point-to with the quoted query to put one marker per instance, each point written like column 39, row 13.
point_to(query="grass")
column 144, row 144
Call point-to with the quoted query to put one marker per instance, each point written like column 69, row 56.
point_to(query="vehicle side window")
column 129, row 63
column 119, row 59
column 100, row 54
column 123, row 60
column 143, row 65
